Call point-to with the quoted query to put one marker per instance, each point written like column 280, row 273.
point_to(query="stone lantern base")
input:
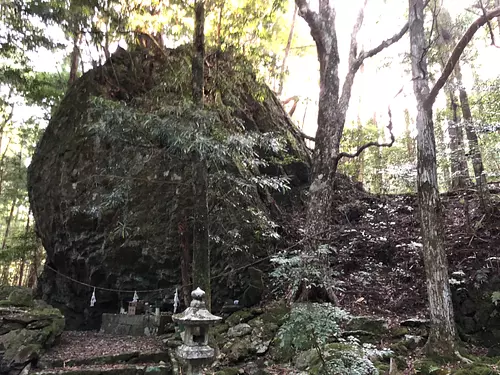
column 195, row 352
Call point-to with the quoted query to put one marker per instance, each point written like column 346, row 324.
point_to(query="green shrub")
column 318, row 327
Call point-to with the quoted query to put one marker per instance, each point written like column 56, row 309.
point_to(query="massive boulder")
column 109, row 183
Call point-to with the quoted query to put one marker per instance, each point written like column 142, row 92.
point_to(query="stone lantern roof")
column 197, row 313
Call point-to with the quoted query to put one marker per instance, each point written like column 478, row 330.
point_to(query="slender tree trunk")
column 5, row 276
column 410, row 143
column 75, row 55
column 497, row 4
column 7, row 117
column 5, row 273
column 360, row 161
column 198, row 54
column 35, row 265
column 22, row 264
column 332, row 108
column 474, row 150
column 459, row 170
column 442, row 336
column 185, row 260
column 201, row 248
column 287, row 52
column 2, row 159
column 444, row 163
column 23, row 258
column 219, row 26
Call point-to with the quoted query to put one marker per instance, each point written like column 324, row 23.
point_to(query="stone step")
column 115, row 359
column 117, row 369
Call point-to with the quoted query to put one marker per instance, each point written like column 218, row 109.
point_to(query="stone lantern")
column 196, row 320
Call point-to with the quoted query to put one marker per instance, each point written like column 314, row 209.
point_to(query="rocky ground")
column 28, row 328
column 380, row 281
column 377, row 259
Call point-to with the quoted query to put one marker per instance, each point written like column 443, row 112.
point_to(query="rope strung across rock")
column 162, row 289
column 149, row 290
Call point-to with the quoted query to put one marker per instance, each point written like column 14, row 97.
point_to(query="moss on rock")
column 238, row 317
column 27, row 330
column 228, row 371
column 371, row 324
column 475, row 369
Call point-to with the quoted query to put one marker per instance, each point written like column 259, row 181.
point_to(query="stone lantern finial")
column 198, row 294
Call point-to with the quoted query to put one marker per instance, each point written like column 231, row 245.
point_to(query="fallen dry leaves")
column 89, row 344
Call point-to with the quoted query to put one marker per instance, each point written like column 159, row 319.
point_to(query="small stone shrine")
column 140, row 319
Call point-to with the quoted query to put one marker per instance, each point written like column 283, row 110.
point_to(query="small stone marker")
column 196, row 320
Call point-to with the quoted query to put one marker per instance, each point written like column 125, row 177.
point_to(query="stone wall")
column 133, row 325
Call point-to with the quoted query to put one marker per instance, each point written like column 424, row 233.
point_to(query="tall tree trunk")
column 360, row 161
column 22, row 265
column 6, row 118
column 332, row 108
column 410, row 143
column 2, row 159
column 444, row 163
column 474, row 150
column 75, row 58
column 185, row 259
column 497, row 4
column 287, row 52
column 23, row 257
column 201, row 248
column 442, row 336
column 35, row 265
column 378, row 178
column 459, row 170
column 5, row 276
column 107, row 54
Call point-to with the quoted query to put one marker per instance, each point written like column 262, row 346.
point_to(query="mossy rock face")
column 239, row 317
column 475, row 369
column 228, row 371
column 429, row 367
column 306, row 360
column 26, row 331
column 383, row 368
column 275, row 314
column 370, row 324
column 399, row 331
column 22, row 297
column 124, row 220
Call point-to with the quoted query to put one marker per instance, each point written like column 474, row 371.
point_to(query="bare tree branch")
column 490, row 28
column 457, row 52
column 358, row 61
column 295, row 100
column 287, row 51
column 354, row 63
column 313, row 21
column 353, row 50
column 386, row 43
column 305, row 136
column 371, row 144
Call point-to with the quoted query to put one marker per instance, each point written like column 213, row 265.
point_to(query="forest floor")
column 377, row 261
column 377, row 258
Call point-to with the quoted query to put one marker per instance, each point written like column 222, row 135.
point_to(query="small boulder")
column 241, row 316
column 239, row 330
column 305, row 360
column 19, row 297
column 371, row 324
